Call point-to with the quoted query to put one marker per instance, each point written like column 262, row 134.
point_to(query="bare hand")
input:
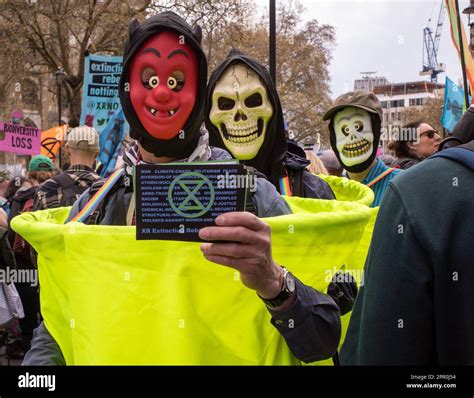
column 248, row 251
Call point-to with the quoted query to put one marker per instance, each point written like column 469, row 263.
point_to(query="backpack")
column 7, row 257
column 18, row 202
column 72, row 189
column 21, row 247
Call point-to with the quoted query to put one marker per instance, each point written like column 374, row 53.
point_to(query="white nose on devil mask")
column 241, row 111
column 354, row 137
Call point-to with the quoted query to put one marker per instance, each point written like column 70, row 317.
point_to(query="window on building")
column 398, row 103
column 416, row 101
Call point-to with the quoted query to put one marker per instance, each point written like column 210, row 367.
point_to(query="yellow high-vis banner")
column 349, row 190
column 107, row 298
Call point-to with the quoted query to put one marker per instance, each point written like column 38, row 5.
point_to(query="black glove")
column 343, row 290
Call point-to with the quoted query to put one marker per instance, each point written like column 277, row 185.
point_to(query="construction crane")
column 431, row 66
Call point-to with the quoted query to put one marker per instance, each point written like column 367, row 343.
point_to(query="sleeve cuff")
column 306, row 299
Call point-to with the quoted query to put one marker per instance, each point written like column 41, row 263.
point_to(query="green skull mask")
column 241, row 111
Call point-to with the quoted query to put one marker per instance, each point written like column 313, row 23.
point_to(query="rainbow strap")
column 94, row 202
column 285, row 188
column 380, row 176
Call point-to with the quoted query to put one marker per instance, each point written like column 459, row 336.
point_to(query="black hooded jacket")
column 462, row 133
column 138, row 35
column 464, row 129
column 272, row 159
column 269, row 159
column 302, row 182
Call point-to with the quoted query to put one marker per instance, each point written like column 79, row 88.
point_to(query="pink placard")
column 18, row 139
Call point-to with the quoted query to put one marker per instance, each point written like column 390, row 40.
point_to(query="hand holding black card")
column 174, row 201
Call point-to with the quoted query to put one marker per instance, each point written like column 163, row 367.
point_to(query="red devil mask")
column 163, row 84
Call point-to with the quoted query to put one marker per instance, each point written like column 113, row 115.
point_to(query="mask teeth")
column 243, row 140
column 349, row 151
column 243, row 131
column 243, row 136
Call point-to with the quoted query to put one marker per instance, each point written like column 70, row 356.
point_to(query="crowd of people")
column 413, row 307
column 43, row 187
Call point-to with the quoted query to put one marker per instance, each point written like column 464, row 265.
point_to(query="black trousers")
column 31, row 305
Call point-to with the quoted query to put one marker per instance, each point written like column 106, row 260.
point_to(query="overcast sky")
column 385, row 36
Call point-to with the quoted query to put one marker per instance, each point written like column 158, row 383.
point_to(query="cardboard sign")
column 18, row 139
column 174, row 201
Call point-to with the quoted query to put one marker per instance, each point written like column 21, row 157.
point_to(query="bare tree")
column 429, row 113
column 302, row 70
column 219, row 21
column 13, row 57
column 57, row 34
column 44, row 35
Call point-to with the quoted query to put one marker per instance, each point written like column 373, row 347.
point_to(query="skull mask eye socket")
column 254, row 101
column 345, row 129
column 225, row 104
column 359, row 126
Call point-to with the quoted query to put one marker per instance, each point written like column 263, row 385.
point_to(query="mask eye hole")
column 154, row 81
column 225, row 104
column 176, row 81
column 254, row 101
column 345, row 129
column 359, row 126
column 149, row 78
column 172, row 83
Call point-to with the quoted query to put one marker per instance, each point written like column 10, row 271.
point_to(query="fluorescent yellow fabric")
column 349, row 190
column 109, row 299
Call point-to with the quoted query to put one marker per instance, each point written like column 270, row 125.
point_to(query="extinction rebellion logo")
column 191, row 195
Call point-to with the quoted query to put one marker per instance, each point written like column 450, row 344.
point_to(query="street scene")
column 235, row 183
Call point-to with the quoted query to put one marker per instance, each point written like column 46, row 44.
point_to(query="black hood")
column 464, row 129
column 376, row 124
column 138, row 35
column 296, row 162
column 269, row 159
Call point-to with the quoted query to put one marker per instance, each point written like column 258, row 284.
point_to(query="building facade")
column 367, row 83
column 397, row 98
